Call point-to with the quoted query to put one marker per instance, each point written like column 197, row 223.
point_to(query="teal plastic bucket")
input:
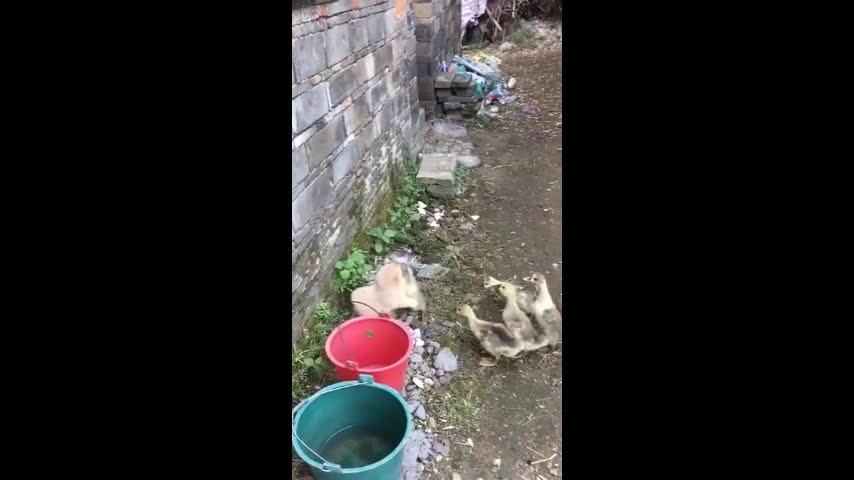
column 352, row 430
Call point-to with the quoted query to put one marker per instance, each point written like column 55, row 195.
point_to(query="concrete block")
column 425, row 89
column 423, row 49
column 423, row 10
column 386, row 116
column 389, row 22
column 443, row 80
column 299, row 166
column 447, row 106
column 425, row 69
column 357, row 115
column 344, row 162
column 370, row 68
column 461, row 80
column 442, row 92
column 457, row 99
column 309, row 55
column 337, row 44
column 376, row 28
column 310, row 106
column 437, row 169
column 424, row 33
column 377, row 94
column 413, row 93
column 383, row 57
column 325, row 141
column 345, row 82
column 339, row 6
column 311, row 200
column 359, row 34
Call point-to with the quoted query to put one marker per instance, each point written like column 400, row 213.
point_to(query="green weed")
column 308, row 365
column 462, row 176
column 351, row 271
column 383, row 239
column 523, row 38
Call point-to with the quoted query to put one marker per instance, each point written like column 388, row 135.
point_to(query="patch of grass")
column 462, row 176
column 483, row 122
column 308, row 363
column 523, row 38
column 461, row 405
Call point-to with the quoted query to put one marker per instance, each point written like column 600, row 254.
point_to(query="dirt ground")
column 517, row 193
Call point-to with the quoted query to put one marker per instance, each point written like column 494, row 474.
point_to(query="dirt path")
column 517, row 194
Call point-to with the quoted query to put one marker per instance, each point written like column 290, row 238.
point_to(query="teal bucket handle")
column 327, row 466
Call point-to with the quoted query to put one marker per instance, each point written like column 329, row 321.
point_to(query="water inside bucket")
column 357, row 446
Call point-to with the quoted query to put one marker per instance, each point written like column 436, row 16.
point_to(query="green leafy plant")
column 404, row 215
column 351, row 270
column 383, row 238
column 308, row 364
column 322, row 312
column 461, row 176
column 523, row 37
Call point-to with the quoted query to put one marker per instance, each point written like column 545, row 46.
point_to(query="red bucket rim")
column 393, row 321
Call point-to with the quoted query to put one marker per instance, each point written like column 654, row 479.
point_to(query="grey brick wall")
column 438, row 34
column 355, row 112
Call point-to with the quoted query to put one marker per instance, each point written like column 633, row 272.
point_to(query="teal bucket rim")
column 364, row 380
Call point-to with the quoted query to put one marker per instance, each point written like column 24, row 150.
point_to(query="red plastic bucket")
column 377, row 346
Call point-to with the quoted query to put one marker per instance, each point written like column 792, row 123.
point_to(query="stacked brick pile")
column 454, row 92
column 438, row 30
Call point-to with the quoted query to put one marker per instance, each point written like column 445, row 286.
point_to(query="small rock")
column 506, row 47
column 440, row 372
column 431, row 422
column 418, row 382
column 413, row 446
column 553, row 471
column 415, row 395
column 511, row 83
column 435, row 344
column 467, row 226
column 444, row 380
column 416, row 358
column 430, row 349
column 410, row 388
column 419, row 342
column 416, row 333
column 445, row 360
column 431, row 372
column 447, row 129
column 432, row 271
column 428, row 381
column 442, row 446
column 420, row 412
column 468, row 161
column 413, row 406
column 419, row 350
column 456, row 476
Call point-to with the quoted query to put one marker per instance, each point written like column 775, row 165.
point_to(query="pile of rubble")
column 430, row 367
column 454, row 91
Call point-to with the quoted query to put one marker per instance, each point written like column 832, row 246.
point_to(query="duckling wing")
column 525, row 301
column 552, row 316
column 499, row 334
